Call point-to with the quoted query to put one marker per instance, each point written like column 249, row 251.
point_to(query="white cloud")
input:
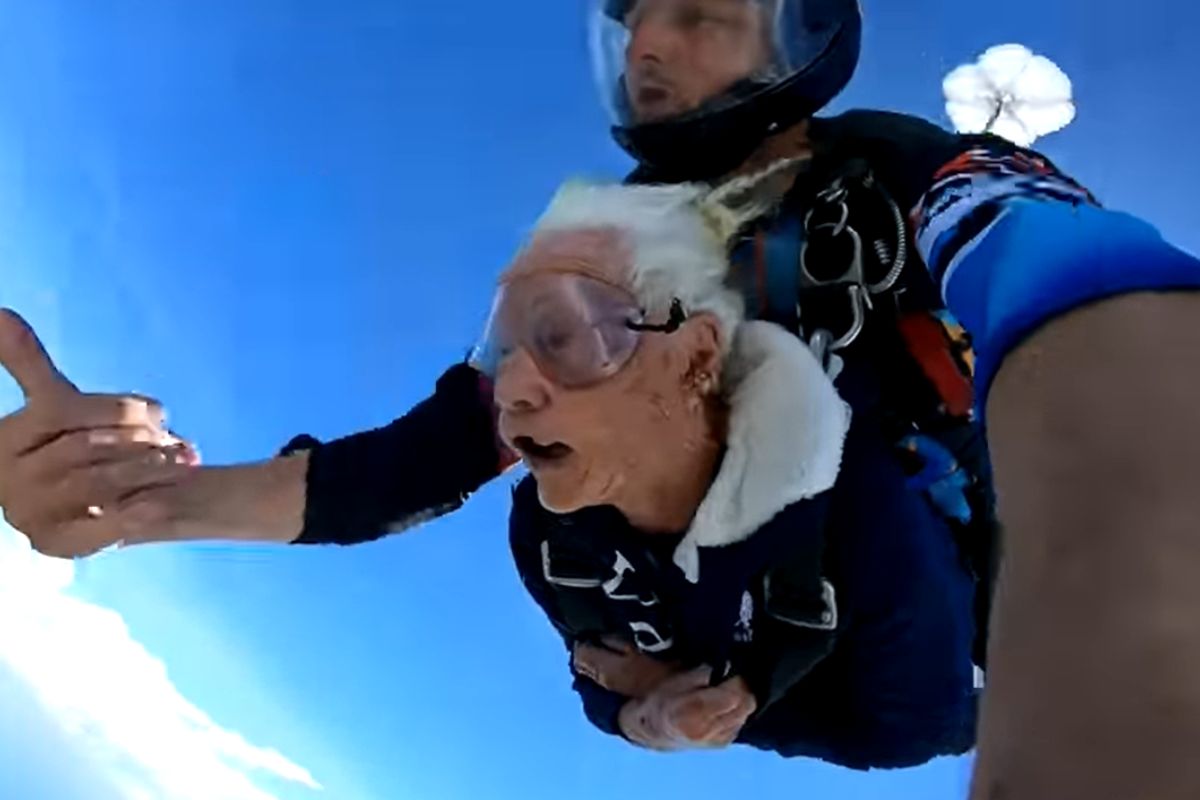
column 116, row 698
column 1010, row 92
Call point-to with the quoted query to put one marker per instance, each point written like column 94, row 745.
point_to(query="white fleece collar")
column 787, row 426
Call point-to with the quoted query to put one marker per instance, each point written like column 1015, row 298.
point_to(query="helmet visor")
column 666, row 60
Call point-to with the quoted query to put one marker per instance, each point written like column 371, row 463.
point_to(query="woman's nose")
column 520, row 386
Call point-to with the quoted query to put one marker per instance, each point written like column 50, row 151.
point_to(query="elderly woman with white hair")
column 694, row 522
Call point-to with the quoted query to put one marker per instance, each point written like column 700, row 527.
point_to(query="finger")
column 710, row 736
column 103, row 487
column 735, row 717
column 723, row 736
column 187, row 451
column 24, row 357
column 719, row 702
column 747, row 701
column 706, row 732
column 696, row 713
column 184, row 453
column 84, row 411
column 90, row 448
column 116, row 481
column 41, row 424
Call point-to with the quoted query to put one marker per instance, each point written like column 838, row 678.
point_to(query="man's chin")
column 651, row 116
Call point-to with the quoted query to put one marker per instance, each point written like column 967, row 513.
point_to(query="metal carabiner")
column 820, row 343
column 838, row 227
column 854, row 274
column 860, row 301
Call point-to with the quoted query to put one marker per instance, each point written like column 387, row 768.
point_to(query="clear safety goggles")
column 579, row 330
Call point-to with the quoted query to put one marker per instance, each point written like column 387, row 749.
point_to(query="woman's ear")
column 706, row 347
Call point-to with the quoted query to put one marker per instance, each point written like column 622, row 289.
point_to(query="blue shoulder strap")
column 767, row 270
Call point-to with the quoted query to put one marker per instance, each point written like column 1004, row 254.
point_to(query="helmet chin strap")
column 725, row 149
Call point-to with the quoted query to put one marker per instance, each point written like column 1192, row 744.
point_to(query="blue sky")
column 283, row 216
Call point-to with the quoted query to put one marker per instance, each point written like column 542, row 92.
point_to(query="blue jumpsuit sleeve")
column 1013, row 243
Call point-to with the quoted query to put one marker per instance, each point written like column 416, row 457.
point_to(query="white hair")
column 680, row 236
column 679, row 251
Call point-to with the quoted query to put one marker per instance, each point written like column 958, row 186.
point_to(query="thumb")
column 24, row 357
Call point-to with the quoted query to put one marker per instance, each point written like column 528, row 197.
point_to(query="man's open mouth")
column 653, row 102
column 653, row 95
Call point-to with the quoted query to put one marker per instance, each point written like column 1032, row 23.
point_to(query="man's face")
column 682, row 53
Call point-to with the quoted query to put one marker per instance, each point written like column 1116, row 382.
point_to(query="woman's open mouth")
column 539, row 455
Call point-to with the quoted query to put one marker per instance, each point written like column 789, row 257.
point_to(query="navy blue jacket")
column 896, row 690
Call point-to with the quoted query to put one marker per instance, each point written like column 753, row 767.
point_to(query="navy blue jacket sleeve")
column 421, row 466
column 601, row 706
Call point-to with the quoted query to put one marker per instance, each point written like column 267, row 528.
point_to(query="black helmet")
column 815, row 49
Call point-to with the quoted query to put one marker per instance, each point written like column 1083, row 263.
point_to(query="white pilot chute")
column 1010, row 92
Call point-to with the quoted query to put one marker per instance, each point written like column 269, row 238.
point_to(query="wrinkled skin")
column 670, row 708
column 620, row 667
column 644, row 440
column 686, row 712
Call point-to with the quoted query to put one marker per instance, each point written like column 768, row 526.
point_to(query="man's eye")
column 689, row 17
column 692, row 16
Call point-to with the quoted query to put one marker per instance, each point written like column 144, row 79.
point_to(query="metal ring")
column 834, row 192
column 838, row 226
column 853, row 274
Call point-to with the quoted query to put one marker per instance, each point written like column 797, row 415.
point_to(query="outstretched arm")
column 348, row 491
column 80, row 472
column 1087, row 326
column 1095, row 650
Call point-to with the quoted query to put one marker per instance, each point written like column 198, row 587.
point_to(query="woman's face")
column 588, row 446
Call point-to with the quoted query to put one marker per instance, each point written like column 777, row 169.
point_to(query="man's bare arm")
column 1094, row 679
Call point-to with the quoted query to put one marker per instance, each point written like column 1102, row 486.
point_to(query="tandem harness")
column 836, row 265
